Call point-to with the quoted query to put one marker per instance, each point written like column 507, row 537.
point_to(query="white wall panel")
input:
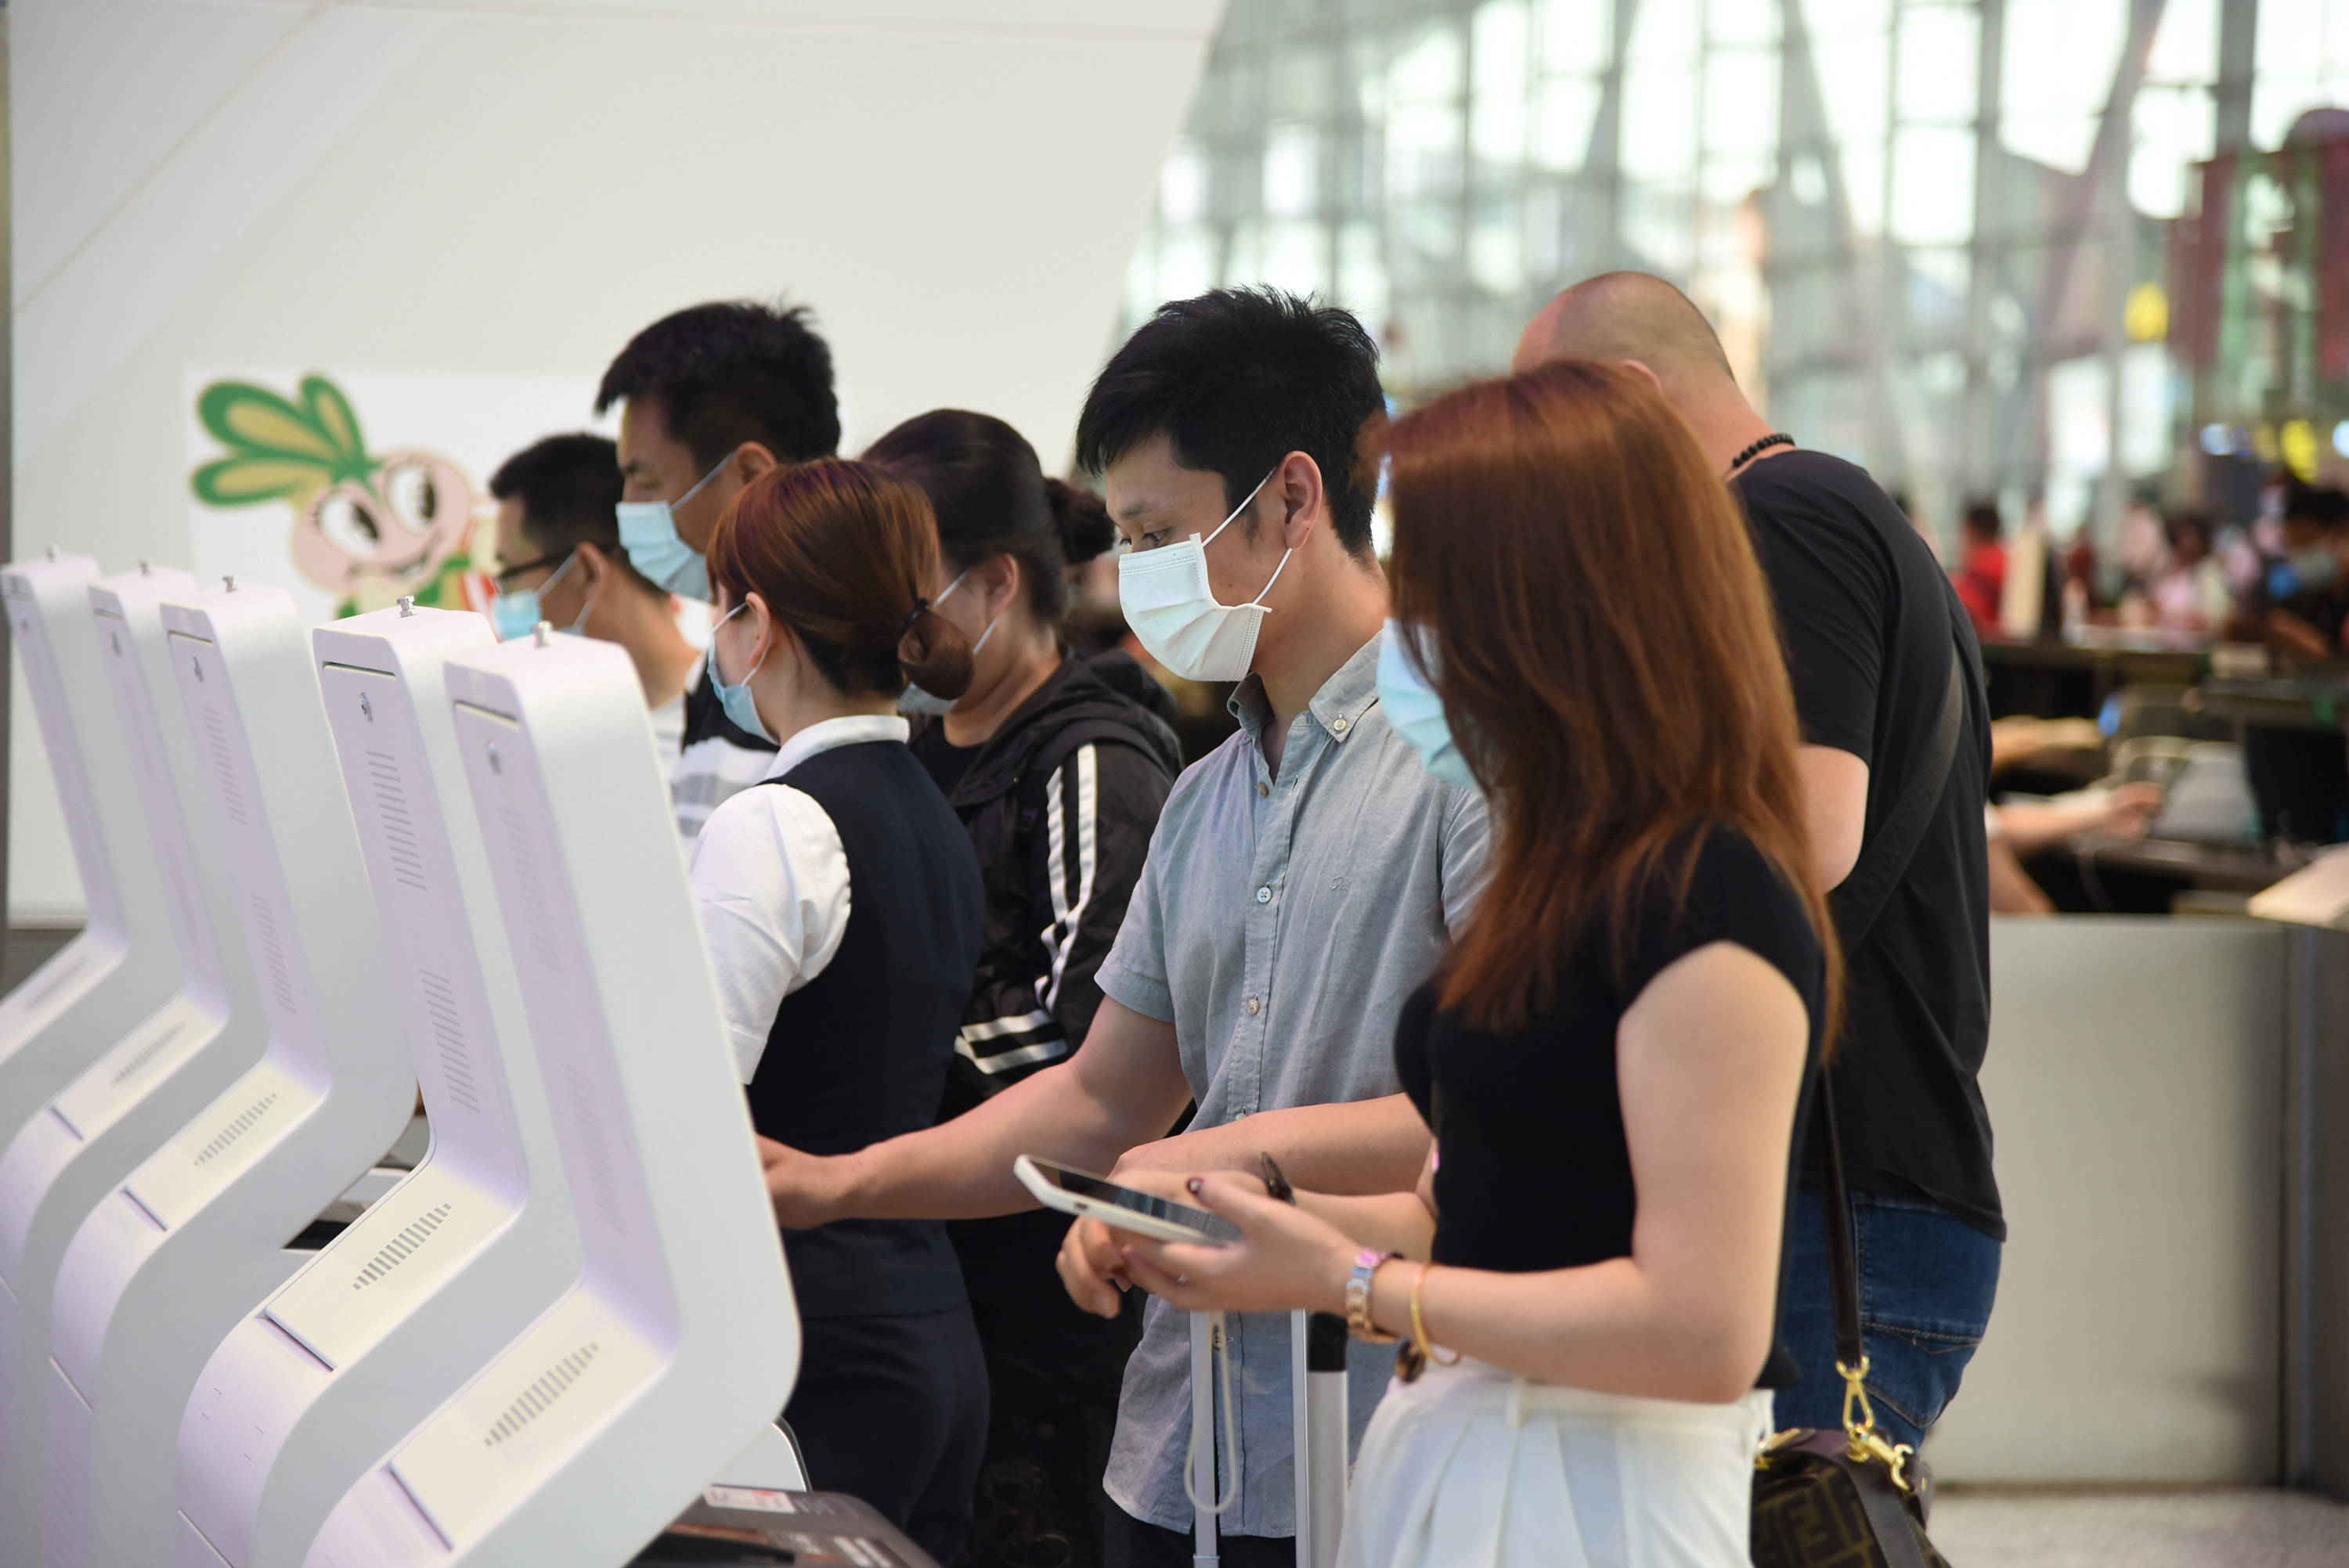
column 2135, row 1082
column 511, row 189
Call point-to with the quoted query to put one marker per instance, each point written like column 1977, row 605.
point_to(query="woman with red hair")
column 1615, row 1060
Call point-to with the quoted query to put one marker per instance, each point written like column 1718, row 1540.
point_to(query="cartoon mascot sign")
column 367, row 527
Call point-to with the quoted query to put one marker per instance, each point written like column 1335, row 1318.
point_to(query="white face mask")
column 1170, row 606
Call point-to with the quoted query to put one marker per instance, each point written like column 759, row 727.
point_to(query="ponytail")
column 845, row 556
column 1083, row 520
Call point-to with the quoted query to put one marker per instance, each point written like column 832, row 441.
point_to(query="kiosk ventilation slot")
column 237, row 1128
column 49, row 977
column 147, row 1053
column 539, row 1396
column 529, row 890
column 399, row 828
column 401, row 1247
column 448, row 1033
column 272, row 951
column 231, row 793
column 589, row 1118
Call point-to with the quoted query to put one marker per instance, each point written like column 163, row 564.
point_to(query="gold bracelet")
column 1413, row 1354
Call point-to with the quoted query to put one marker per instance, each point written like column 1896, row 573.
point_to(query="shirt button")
column 1254, row 1006
column 1262, row 788
column 1264, row 895
column 1338, row 726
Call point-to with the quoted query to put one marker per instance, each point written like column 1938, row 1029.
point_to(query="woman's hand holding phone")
column 1286, row 1258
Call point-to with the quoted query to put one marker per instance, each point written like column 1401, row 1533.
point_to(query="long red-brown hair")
column 1602, row 639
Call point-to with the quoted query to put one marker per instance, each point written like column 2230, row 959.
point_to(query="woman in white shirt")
column 843, row 910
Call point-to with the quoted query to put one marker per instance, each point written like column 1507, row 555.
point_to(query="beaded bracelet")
column 1358, row 1297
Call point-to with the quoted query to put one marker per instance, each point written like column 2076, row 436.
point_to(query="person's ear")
column 595, row 567
column 999, row 577
column 1654, row 380
column 761, row 626
column 752, row 459
column 1300, row 497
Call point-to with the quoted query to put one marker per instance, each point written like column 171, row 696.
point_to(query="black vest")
column 860, row 1053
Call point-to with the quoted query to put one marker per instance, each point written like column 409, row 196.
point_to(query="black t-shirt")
column 946, row 762
column 1870, row 623
column 1534, row 1171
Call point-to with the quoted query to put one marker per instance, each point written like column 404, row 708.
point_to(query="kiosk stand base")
column 755, row 1525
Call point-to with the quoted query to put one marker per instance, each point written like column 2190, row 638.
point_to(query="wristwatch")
column 1358, row 1297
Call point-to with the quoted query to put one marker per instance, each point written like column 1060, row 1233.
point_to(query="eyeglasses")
column 506, row 575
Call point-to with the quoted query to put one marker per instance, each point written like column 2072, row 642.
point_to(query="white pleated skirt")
column 1472, row 1467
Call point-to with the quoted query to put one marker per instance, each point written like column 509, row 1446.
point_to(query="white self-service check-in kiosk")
column 163, row 1070
column 438, row 1275
column 125, row 962
column 168, row 1263
column 679, row 1341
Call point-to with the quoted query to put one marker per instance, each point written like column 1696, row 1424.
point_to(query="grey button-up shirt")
column 1279, row 923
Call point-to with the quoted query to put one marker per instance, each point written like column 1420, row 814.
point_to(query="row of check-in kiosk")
column 327, row 870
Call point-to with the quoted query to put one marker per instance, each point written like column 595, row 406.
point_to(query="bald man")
column 1871, row 627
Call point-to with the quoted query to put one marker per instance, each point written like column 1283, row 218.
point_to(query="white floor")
column 2190, row 1528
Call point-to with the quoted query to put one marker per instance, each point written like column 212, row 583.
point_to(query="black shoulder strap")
column 1884, row 860
column 1855, row 904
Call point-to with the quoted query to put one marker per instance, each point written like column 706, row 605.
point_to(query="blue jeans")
column 1925, row 1281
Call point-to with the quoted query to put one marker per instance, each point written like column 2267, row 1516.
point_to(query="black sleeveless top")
column 860, row 1053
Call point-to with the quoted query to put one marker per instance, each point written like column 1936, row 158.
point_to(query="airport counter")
column 2168, row 1097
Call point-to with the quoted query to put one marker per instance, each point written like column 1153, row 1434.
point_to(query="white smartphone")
column 1144, row 1213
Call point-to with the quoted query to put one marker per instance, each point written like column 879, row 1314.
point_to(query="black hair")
column 729, row 372
column 2327, row 506
column 2178, row 524
column 568, row 487
column 991, row 498
column 1237, row 379
column 1982, row 517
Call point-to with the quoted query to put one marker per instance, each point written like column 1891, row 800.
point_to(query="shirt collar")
column 852, row 730
column 1338, row 707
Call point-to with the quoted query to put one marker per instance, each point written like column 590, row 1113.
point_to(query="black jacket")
column 1060, row 804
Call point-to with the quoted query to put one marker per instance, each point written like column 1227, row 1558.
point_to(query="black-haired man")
column 561, row 561
column 1301, row 881
column 712, row 397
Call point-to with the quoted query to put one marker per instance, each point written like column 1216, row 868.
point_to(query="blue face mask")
column 648, row 533
column 515, row 615
column 736, row 699
column 2306, row 570
column 1413, row 710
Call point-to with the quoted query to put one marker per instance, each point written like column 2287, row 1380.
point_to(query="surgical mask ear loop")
column 580, row 619
column 1256, row 603
column 719, row 676
column 1220, row 1350
column 1239, row 509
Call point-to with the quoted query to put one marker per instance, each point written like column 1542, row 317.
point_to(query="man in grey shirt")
column 1301, row 882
